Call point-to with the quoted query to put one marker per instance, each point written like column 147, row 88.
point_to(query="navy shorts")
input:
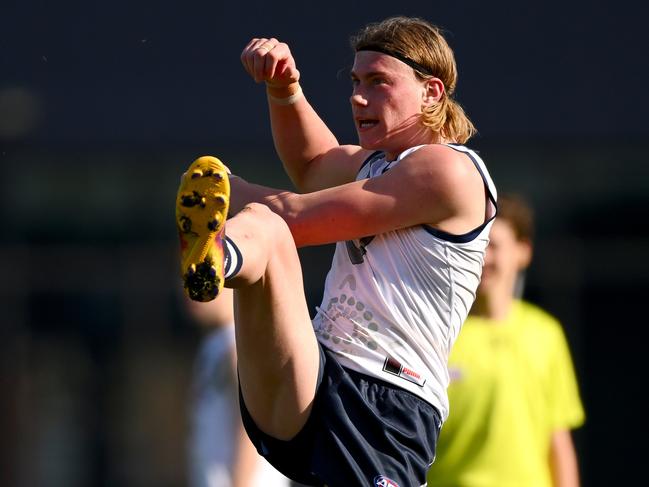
column 362, row 431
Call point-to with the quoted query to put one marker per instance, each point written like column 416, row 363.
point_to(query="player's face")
column 387, row 101
column 505, row 258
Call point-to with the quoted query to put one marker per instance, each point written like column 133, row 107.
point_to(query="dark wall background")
column 103, row 104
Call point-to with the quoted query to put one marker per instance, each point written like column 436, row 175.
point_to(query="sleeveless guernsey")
column 394, row 303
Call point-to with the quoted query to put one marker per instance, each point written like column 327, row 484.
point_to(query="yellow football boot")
column 201, row 210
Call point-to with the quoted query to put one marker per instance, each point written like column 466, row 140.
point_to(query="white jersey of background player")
column 216, row 437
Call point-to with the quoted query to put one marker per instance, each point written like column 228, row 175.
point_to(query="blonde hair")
column 421, row 45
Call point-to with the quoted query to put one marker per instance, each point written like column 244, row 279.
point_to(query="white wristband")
column 289, row 100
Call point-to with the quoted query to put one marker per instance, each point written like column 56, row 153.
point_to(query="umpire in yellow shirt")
column 513, row 393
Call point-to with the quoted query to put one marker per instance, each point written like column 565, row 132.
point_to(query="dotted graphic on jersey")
column 348, row 307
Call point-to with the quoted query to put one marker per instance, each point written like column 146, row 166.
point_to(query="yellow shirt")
column 512, row 385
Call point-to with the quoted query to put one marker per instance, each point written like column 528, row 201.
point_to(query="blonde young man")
column 513, row 392
column 356, row 397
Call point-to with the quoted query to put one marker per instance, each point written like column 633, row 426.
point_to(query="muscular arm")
column 434, row 185
column 563, row 460
column 310, row 153
column 312, row 157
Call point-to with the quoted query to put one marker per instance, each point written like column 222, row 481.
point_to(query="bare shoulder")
column 355, row 155
column 337, row 166
column 445, row 167
column 449, row 184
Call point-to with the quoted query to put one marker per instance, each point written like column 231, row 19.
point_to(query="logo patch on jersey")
column 382, row 481
column 394, row 367
column 357, row 252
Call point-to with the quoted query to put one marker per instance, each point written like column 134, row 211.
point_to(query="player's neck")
column 494, row 306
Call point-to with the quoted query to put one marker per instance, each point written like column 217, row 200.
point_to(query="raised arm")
column 309, row 151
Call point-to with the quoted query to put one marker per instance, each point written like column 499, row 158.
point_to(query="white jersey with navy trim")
column 394, row 303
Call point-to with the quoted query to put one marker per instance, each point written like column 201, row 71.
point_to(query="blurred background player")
column 513, row 393
column 220, row 453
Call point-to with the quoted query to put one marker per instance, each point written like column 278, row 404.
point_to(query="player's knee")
column 278, row 231
column 257, row 211
column 269, row 225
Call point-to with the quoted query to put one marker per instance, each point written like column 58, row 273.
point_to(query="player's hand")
column 270, row 61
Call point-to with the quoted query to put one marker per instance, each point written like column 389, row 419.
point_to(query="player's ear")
column 433, row 91
column 524, row 253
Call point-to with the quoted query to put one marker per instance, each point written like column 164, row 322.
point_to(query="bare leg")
column 277, row 350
